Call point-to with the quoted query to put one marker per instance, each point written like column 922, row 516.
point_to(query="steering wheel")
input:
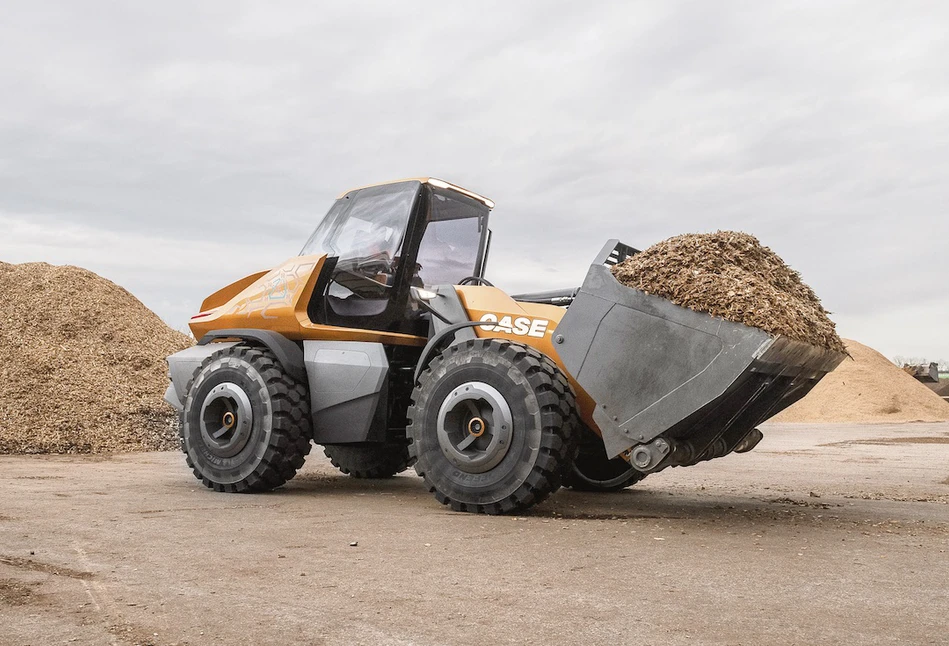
column 378, row 261
column 475, row 280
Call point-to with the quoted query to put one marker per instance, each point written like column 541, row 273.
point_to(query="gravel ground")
column 822, row 535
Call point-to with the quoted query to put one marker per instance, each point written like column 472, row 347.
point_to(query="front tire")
column 491, row 426
column 245, row 425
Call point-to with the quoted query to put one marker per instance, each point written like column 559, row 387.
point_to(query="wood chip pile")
column 82, row 365
column 867, row 388
column 733, row 276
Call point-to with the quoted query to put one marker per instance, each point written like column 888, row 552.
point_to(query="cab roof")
column 434, row 181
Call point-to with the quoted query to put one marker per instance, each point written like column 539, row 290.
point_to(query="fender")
column 429, row 350
column 288, row 353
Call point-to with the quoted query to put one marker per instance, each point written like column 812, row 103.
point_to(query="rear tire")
column 491, row 426
column 591, row 470
column 245, row 425
column 369, row 460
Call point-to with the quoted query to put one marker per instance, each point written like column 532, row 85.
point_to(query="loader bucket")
column 656, row 369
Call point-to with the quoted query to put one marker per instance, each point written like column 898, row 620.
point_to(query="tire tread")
column 558, row 405
column 289, row 442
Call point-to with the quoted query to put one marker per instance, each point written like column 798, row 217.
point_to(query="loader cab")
column 382, row 240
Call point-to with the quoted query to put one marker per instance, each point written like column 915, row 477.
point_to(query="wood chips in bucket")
column 731, row 275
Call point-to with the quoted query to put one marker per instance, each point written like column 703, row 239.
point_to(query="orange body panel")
column 277, row 300
column 480, row 300
column 223, row 295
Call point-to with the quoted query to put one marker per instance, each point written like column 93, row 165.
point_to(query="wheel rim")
column 475, row 427
column 226, row 420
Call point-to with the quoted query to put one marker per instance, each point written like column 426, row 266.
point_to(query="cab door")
column 365, row 234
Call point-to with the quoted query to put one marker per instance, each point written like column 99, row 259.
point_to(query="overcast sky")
column 174, row 149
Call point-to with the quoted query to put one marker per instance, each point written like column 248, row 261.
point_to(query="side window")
column 449, row 251
column 452, row 239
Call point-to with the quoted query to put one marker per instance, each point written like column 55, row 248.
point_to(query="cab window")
column 450, row 247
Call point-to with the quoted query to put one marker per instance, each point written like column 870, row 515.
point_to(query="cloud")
column 170, row 275
column 222, row 132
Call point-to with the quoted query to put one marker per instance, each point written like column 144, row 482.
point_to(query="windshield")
column 369, row 223
column 364, row 229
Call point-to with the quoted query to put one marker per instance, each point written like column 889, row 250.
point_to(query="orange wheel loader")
column 384, row 343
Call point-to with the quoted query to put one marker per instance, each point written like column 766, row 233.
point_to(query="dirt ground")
column 822, row 535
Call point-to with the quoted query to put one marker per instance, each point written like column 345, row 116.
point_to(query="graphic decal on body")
column 520, row 326
column 277, row 289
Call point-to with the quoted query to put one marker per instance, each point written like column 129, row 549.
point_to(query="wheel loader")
column 383, row 342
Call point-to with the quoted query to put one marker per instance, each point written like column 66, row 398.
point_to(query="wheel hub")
column 226, row 419
column 475, row 426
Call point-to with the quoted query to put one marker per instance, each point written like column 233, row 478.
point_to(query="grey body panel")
column 347, row 384
column 181, row 367
column 171, row 396
column 458, row 329
column 448, row 304
column 652, row 366
column 348, row 390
